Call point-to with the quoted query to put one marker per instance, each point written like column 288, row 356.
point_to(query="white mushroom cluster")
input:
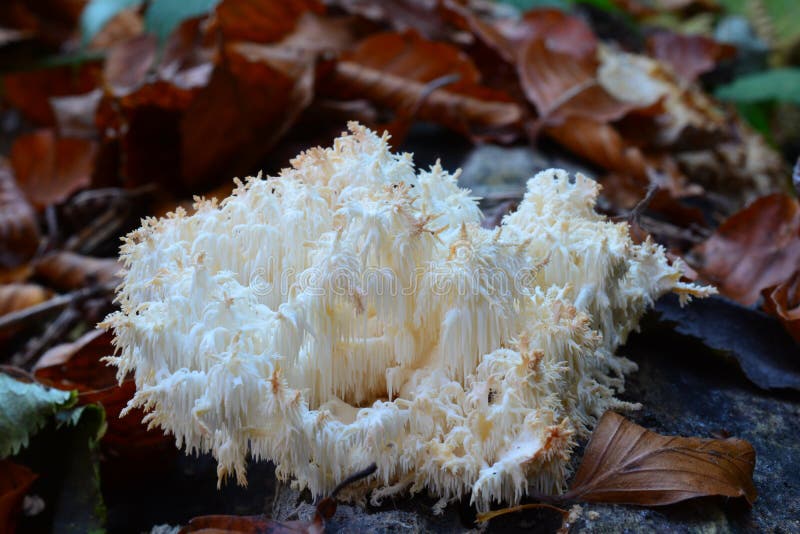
column 352, row 310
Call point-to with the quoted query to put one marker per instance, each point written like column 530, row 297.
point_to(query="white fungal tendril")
column 352, row 310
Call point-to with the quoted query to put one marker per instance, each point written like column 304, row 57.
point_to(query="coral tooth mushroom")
column 352, row 310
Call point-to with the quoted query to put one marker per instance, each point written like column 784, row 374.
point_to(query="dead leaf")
column 601, row 144
column 19, row 229
column 18, row 296
column 75, row 114
column 688, row 55
column 627, row 464
column 783, row 301
column 757, row 248
column 15, row 481
column 560, row 32
column 128, row 63
column 432, row 81
column 263, row 22
column 68, row 270
column 49, row 168
column 561, row 85
column 31, row 91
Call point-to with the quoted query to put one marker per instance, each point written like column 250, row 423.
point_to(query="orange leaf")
column 49, row 168
column 19, row 229
column 15, row 480
column 627, row 464
column 430, row 80
column 756, row 248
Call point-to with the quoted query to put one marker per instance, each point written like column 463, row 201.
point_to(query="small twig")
column 638, row 210
column 58, row 303
column 487, row 516
column 55, row 331
column 364, row 473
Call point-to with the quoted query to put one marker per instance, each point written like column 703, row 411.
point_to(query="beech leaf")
column 756, row 248
column 433, row 81
column 625, row 463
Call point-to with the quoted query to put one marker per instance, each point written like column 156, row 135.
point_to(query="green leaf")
column 757, row 114
column 24, row 409
column 778, row 84
column 97, row 13
column 163, row 16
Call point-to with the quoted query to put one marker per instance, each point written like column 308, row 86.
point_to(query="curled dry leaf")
column 627, row 464
column 756, row 248
column 430, row 80
column 68, row 270
column 15, row 480
column 49, row 168
column 688, row 55
column 783, row 301
column 15, row 297
column 19, row 229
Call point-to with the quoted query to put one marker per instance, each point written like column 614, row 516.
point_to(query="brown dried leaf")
column 561, row 85
column 75, row 114
column 561, row 32
column 783, row 301
column 627, row 464
column 15, row 480
column 19, row 229
column 30, row 91
column 17, row 296
column 430, row 80
column 688, row 55
column 756, row 248
column 262, row 22
column 49, row 168
column 601, row 144
column 68, row 270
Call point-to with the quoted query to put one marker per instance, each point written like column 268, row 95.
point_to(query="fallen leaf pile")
column 112, row 118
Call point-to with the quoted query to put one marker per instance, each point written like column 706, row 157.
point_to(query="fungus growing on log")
column 352, row 310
